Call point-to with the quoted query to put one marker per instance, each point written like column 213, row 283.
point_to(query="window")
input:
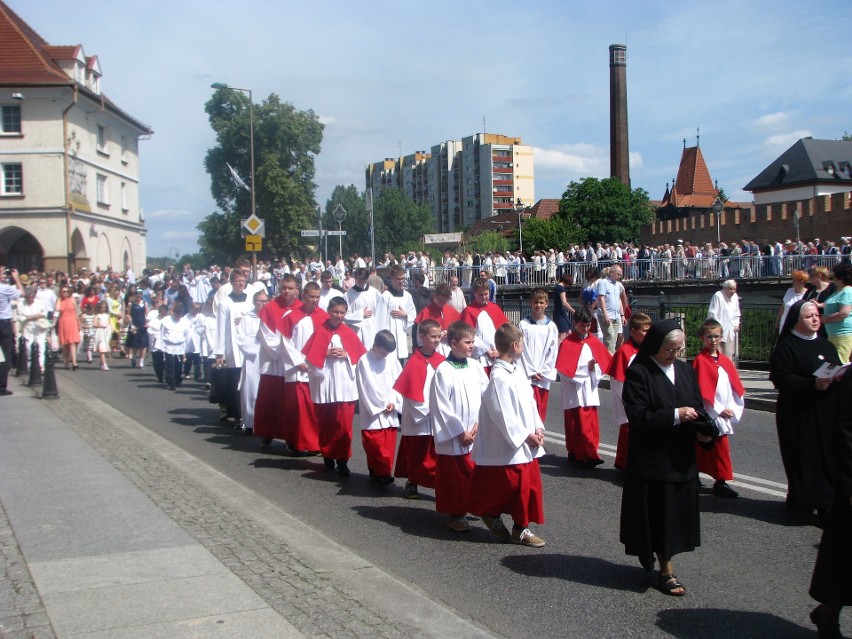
column 103, row 193
column 102, row 139
column 13, row 179
column 124, row 206
column 11, row 119
column 124, row 149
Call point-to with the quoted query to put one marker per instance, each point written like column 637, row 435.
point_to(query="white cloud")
column 782, row 141
column 773, row 121
column 577, row 160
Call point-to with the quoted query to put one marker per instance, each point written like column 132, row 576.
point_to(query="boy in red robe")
column 581, row 361
column 439, row 310
column 639, row 325
column 485, row 317
column 332, row 352
column 722, row 392
column 416, row 459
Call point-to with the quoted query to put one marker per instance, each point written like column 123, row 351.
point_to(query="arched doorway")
column 78, row 250
column 21, row 250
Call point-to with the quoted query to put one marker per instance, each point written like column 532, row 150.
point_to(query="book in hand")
column 830, row 371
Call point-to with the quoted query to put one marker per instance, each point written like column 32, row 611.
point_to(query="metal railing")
column 704, row 269
column 757, row 326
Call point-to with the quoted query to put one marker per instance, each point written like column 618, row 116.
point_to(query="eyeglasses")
column 674, row 351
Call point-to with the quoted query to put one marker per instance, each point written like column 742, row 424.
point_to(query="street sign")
column 254, row 225
column 311, row 233
column 254, row 243
column 335, row 232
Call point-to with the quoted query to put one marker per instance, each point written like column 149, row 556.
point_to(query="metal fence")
column 704, row 269
column 757, row 327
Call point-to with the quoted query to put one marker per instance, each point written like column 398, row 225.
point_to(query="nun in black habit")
column 806, row 413
column 659, row 506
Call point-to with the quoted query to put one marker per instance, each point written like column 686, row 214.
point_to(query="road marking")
column 748, row 482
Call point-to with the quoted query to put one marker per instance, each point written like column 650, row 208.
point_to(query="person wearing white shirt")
column 379, row 405
column 395, row 312
column 725, row 309
column 249, row 345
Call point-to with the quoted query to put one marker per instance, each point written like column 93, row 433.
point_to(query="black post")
column 35, row 367
column 663, row 305
column 23, row 364
column 49, row 389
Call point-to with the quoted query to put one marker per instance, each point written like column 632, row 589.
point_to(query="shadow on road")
column 591, row 571
column 711, row 623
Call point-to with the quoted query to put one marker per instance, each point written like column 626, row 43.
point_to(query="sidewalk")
column 109, row 531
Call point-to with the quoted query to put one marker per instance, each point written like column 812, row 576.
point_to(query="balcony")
column 500, row 169
column 502, row 182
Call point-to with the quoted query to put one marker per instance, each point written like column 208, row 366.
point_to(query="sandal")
column 669, row 585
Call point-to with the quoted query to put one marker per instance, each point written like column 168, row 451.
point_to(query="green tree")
column 399, row 223
column 488, row 242
column 286, row 141
column 542, row 235
column 605, row 210
column 846, row 137
column 356, row 224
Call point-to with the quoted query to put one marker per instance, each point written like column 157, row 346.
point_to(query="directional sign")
column 335, row 232
column 254, row 243
column 254, row 225
column 311, row 233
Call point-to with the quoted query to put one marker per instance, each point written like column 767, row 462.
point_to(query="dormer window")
column 829, row 168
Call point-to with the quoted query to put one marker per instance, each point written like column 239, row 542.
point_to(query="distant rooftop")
column 806, row 162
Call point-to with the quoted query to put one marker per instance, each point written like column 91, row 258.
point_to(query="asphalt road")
column 749, row 578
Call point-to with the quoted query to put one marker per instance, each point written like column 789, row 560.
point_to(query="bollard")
column 22, row 368
column 49, row 389
column 35, row 367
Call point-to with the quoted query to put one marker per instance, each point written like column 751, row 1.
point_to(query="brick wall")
column 827, row 217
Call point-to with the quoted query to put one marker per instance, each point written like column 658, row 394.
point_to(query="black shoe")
column 591, row 463
column 5, row 393
column 329, row 463
column 721, row 489
column 825, row 629
column 343, row 468
column 266, row 443
column 385, row 480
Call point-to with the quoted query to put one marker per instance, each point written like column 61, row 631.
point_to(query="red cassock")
column 451, row 479
column 379, row 446
column 416, row 459
column 716, row 461
column 514, row 489
column 618, row 372
column 582, row 428
column 334, row 418
column 270, row 414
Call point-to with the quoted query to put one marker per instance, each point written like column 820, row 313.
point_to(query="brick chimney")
column 619, row 156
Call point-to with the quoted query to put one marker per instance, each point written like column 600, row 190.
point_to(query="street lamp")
column 519, row 209
column 222, row 85
column 717, row 208
column 339, row 214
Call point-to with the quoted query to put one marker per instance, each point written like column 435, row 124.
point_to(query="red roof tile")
column 23, row 58
column 693, row 187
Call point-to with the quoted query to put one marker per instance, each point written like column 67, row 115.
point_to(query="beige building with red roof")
column 69, row 160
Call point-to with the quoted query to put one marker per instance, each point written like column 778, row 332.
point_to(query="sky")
column 389, row 77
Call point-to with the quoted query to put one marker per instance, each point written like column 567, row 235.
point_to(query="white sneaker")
column 526, row 538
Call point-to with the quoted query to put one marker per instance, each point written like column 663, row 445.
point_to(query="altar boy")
column 581, row 360
column 506, row 477
column 379, row 405
column 332, row 353
column 455, row 399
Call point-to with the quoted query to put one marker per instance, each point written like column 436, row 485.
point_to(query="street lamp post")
column 718, row 207
column 519, row 209
column 339, row 214
column 222, row 85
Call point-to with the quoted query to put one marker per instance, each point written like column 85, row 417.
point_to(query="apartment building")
column 463, row 181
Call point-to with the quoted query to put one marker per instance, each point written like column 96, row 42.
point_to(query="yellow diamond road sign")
column 254, row 225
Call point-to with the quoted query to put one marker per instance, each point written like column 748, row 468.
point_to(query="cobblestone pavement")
column 305, row 596
column 22, row 615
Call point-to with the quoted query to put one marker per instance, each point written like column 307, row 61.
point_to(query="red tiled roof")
column 24, row 59
column 693, row 187
column 544, row 209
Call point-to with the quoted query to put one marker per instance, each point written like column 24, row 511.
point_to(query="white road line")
column 747, row 482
